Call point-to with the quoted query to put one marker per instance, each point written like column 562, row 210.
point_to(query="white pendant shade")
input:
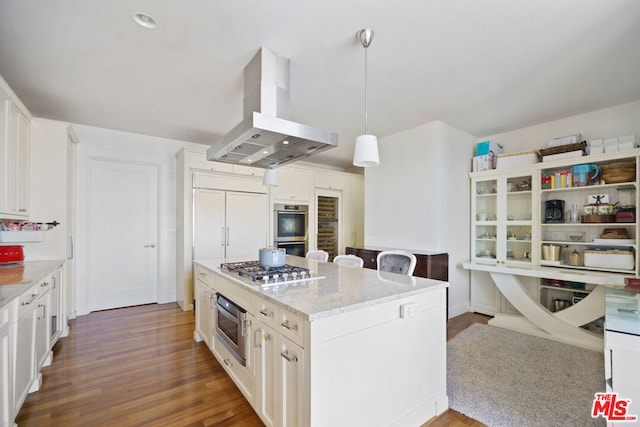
column 270, row 177
column 366, row 152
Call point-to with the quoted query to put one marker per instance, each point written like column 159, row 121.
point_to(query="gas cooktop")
column 255, row 272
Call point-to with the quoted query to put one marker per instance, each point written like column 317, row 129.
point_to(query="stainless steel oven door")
column 291, row 223
column 293, row 248
column 230, row 327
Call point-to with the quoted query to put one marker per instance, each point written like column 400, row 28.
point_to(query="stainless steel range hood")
column 265, row 138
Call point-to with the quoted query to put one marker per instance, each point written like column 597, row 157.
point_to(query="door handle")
column 151, row 245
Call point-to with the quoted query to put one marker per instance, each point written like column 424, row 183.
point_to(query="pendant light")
column 366, row 152
column 270, row 177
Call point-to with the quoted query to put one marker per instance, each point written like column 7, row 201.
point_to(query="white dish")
column 547, row 262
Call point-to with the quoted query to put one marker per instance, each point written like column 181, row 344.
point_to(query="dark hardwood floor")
column 139, row 366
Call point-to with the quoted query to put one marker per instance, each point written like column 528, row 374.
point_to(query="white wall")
column 128, row 147
column 418, row 198
column 606, row 123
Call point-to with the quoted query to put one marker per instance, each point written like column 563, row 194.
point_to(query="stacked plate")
column 614, row 173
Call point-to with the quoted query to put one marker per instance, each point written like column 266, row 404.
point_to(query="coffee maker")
column 554, row 211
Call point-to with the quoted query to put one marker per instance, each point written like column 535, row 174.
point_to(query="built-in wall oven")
column 231, row 327
column 291, row 228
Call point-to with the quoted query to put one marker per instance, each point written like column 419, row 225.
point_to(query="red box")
column 11, row 254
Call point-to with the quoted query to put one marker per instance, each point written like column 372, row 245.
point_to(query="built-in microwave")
column 291, row 223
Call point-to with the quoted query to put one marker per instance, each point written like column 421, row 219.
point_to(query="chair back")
column 318, row 255
column 400, row 262
column 349, row 260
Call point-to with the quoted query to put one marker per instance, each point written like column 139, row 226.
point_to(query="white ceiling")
column 482, row 66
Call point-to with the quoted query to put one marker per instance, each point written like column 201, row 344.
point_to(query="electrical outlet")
column 408, row 310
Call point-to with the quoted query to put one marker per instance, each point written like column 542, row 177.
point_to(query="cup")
column 511, row 187
column 585, row 174
column 482, row 216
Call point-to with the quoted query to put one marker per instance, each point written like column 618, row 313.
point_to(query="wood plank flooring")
column 139, row 366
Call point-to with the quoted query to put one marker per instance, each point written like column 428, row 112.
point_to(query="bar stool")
column 400, row 262
column 318, row 255
column 349, row 260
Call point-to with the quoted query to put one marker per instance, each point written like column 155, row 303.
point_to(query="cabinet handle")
column 628, row 310
column 228, row 362
column 228, row 236
column 285, row 354
column 44, row 284
column 212, row 297
column 246, row 324
column 22, row 210
column 286, row 325
column 257, row 343
column 53, row 283
column 44, row 311
column 223, row 236
column 30, row 300
column 266, row 313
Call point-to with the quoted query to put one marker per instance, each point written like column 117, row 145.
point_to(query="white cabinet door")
column 209, row 227
column 57, row 320
column 291, row 383
column 266, row 379
column 625, row 352
column 42, row 346
column 246, row 221
column 204, row 313
column 14, row 165
column 24, row 349
column 6, row 369
column 293, row 184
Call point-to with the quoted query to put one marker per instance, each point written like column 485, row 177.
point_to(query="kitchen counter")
column 17, row 278
column 343, row 289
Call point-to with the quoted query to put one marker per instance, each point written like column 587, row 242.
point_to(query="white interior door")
column 123, row 216
column 246, row 221
column 208, row 224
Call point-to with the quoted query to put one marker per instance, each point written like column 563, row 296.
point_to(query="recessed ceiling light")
column 145, row 20
column 285, row 142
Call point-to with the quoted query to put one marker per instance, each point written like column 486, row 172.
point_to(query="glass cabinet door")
column 517, row 231
column 484, row 220
column 502, row 219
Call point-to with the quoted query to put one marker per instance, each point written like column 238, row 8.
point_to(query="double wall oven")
column 291, row 228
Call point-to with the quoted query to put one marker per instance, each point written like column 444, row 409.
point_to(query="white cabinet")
column 290, row 383
column 6, row 367
column 57, row 319
column 330, row 180
column 24, row 347
column 293, row 184
column 279, row 380
column 622, row 352
column 14, row 162
column 353, row 212
column 42, row 337
column 205, row 309
column 229, row 224
column 502, row 219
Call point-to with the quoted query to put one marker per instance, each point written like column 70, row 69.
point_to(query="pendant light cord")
column 365, row 91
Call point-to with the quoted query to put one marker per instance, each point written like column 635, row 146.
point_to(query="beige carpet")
column 505, row 378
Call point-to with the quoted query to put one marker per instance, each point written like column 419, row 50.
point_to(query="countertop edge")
column 14, row 290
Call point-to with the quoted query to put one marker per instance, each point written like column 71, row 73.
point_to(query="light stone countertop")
column 17, row 278
column 342, row 290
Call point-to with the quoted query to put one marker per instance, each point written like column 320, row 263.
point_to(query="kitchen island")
column 352, row 346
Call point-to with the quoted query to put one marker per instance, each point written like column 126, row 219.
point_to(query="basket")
column 598, row 218
column 564, row 149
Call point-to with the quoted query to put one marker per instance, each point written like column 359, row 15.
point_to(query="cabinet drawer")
column 202, row 274
column 291, row 326
column 265, row 311
column 238, row 373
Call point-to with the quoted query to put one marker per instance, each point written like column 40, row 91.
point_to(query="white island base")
column 358, row 347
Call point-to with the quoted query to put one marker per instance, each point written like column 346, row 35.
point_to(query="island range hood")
column 266, row 138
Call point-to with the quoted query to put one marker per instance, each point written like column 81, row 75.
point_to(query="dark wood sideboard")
column 431, row 266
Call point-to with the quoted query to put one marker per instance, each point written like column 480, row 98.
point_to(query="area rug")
column 505, row 378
